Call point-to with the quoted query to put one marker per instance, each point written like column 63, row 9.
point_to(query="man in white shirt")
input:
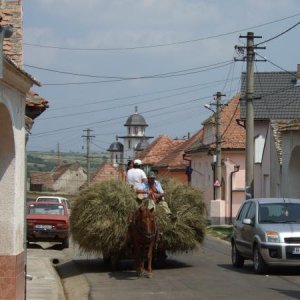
column 136, row 175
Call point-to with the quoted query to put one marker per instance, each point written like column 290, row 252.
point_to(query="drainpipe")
column 236, row 169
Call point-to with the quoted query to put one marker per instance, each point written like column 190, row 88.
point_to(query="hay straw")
column 99, row 217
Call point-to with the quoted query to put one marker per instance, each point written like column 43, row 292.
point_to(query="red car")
column 48, row 222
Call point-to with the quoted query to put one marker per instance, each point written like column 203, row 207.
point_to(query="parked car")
column 56, row 199
column 48, row 222
column 267, row 231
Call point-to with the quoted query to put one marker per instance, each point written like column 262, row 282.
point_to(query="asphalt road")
column 204, row 274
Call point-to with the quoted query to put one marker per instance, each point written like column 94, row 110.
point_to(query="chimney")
column 298, row 75
column 298, row 71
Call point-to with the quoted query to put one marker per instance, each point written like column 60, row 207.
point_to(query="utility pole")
column 58, row 157
column 250, row 57
column 218, row 168
column 217, row 165
column 88, row 137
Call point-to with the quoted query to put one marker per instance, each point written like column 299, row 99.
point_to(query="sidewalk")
column 45, row 283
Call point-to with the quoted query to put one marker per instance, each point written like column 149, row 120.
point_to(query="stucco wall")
column 291, row 164
column 262, row 170
column 70, row 181
column 12, row 170
column 203, row 178
column 275, row 173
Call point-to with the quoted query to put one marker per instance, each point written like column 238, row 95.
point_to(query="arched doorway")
column 294, row 174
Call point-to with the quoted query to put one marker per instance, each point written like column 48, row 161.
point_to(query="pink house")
column 233, row 164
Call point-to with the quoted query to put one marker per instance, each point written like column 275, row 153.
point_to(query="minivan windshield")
column 279, row 213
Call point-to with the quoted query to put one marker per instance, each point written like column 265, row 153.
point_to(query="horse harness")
column 145, row 235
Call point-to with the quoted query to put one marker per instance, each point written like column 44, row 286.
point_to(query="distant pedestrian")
column 153, row 193
column 136, row 175
column 129, row 165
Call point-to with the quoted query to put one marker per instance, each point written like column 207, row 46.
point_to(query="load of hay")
column 99, row 217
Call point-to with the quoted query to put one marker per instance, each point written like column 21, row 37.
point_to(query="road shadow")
column 123, row 270
column 288, row 293
column 278, row 271
column 68, row 269
column 45, row 246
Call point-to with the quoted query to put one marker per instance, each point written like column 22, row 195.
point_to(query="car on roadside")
column 48, row 222
column 56, row 199
column 267, row 231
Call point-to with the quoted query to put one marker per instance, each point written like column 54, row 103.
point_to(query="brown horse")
column 143, row 233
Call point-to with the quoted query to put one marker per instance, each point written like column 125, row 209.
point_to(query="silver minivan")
column 267, row 231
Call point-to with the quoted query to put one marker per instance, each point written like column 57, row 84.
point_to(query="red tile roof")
column 106, row 172
column 60, row 170
column 35, row 105
column 11, row 13
column 158, row 149
column 48, row 178
column 174, row 158
column 165, row 152
column 233, row 135
column 42, row 178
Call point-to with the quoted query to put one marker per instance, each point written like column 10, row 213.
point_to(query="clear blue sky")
column 168, row 57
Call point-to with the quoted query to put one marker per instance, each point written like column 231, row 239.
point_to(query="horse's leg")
column 149, row 258
column 138, row 257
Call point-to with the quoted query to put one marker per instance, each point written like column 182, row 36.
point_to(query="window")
column 279, row 213
column 129, row 144
column 259, row 144
column 243, row 212
column 251, row 213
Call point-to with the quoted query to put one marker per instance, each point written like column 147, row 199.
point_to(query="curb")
column 73, row 281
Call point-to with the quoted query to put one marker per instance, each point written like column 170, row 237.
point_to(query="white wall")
column 291, row 164
column 12, row 170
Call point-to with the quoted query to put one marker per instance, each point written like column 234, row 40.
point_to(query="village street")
column 204, row 274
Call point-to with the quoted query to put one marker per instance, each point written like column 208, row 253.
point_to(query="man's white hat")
column 137, row 162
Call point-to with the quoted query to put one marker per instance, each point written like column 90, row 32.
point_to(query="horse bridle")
column 148, row 236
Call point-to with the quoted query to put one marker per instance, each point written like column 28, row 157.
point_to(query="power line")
column 277, row 66
column 162, row 44
column 120, row 106
column 204, row 85
column 156, row 76
column 278, row 35
column 112, row 119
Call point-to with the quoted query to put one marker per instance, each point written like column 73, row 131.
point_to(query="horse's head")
column 145, row 221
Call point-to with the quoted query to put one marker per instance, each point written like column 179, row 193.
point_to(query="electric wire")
column 278, row 35
column 162, row 44
column 157, row 76
column 203, row 85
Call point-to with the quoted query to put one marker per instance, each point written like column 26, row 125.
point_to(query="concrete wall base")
column 217, row 212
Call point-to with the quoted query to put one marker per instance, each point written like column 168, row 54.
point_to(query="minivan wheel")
column 236, row 258
column 258, row 262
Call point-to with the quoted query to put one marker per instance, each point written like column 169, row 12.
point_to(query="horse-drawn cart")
column 99, row 220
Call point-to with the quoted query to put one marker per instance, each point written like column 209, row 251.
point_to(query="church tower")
column 116, row 153
column 136, row 135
